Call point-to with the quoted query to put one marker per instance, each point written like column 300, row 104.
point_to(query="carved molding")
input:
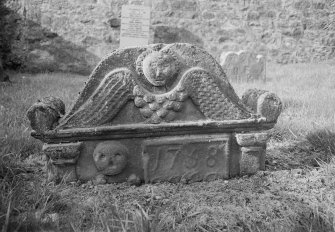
column 253, row 151
column 252, row 139
column 63, row 152
column 153, row 130
column 62, row 159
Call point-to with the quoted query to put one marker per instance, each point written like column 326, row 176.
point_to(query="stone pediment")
column 162, row 112
column 155, row 84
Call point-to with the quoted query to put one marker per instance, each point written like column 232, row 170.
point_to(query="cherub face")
column 110, row 157
column 159, row 68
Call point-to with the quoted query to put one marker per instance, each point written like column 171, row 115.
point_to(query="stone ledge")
column 151, row 130
column 63, row 151
column 252, row 139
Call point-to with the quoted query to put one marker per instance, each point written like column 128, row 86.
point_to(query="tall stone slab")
column 162, row 112
column 135, row 25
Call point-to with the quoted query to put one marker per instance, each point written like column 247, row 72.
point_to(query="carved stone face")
column 110, row 157
column 160, row 68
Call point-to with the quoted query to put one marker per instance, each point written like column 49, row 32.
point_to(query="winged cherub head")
column 160, row 67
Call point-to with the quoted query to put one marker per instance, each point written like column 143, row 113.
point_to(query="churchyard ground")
column 295, row 193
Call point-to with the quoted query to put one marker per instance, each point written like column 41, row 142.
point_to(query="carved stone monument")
column 156, row 113
column 243, row 66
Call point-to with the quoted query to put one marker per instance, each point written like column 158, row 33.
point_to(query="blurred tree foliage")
column 5, row 34
column 9, row 22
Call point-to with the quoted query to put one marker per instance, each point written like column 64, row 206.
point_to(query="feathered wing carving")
column 106, row 101
column 124, row 57
column 209, row 95
column 194, row 56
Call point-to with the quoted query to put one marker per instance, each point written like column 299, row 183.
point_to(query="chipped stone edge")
column 62, row 160
column 254, row 143
column 152, row 130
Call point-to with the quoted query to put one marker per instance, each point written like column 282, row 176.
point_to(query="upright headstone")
column 135, row 25
column 161, row 112
column 243, row 66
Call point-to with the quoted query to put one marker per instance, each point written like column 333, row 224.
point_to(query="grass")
column 295, row 193
column 307, row 93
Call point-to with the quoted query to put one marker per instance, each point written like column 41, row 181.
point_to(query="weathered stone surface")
column 44, row 114
column 253, row 150
column 140, row 130
column 62, row 159
column 189, row 159
column 165, row 77
column 110, row 157
column 287, row 32
column 66, row 153
column 252, row 139
column 263, row 103
column 252, row 160
column 269, row 106
column 250, row 98
column 114, row 22
column 153, row 113
column 243, row 65
column 172, row 34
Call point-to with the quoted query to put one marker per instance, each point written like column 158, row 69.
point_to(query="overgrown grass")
column 283, row 200
column 307, row 93
column 16, row 98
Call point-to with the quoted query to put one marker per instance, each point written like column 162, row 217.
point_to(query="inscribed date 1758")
column 189, row 158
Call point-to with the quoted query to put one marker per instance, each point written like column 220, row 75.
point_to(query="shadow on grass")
column 319, row 147
column 324, row 141
column 311, row 220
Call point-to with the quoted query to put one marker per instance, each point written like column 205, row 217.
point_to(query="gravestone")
column 162, row 112
column 243, row 65
column 135, row 25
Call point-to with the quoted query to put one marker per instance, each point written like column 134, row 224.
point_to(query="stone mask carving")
column 110, row 157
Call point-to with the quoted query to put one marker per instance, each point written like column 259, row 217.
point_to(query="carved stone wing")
column 120, row 58
column 106, row 101
column 194, row 56
column 210, row 96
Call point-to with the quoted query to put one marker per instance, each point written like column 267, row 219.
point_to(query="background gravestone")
column 135, row 24
column 243, row 65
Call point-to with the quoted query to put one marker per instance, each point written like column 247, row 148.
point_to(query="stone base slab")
column 252, row 160
column 185, row 158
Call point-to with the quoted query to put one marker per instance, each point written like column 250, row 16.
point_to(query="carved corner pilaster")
column 253, row 151
column 62, row 160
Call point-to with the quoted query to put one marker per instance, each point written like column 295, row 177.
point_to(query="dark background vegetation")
column 9, row 35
